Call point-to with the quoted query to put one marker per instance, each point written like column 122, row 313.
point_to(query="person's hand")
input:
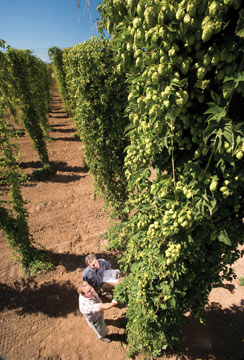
column 114, row 302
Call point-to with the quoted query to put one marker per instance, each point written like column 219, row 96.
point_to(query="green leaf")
column 240, row 24
column 228, row 78
column 228, row 131
column 205, row 197
column 239, row 77
column 216, row 110
column 146, row 205
column 170, row 116
column 145, row 172
column 211, row 130
column 2, row 43
column 221, row 164
column 215, row 97
column 133, row 179
column 221, row 128
column 129, row 129
column 133, row 268
column 224, row 237
column 173, row 302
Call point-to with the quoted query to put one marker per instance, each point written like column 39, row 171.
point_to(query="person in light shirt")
column 92, row 308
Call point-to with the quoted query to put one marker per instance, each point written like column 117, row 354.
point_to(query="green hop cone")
column 239, row 155
column 213, row 186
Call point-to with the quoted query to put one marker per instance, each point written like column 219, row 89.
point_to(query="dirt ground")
column 39, row 317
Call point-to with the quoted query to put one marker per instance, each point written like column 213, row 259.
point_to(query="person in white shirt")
column 92, row 308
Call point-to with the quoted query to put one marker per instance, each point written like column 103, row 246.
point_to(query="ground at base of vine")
column 39, row 317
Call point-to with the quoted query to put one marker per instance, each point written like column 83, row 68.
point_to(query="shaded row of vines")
column 96, row 96
column 25, row 85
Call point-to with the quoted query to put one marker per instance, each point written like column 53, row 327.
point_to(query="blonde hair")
column 80, row 287
column 89, row 258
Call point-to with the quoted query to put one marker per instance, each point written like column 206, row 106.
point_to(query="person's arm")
column 107, row 306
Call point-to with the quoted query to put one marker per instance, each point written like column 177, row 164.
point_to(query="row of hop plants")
column 96, row 96
column 184, row 163
column 31, row 87
column 182, row 138
column 25, row 85
column 56, row 57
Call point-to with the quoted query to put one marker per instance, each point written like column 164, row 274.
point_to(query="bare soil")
column 39, row 317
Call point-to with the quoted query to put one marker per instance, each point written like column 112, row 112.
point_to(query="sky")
column 38, row 25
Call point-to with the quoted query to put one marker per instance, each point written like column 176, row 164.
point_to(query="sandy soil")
column 39, row 317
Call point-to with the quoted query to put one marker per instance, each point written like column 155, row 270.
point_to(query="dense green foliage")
column 165, row 146
column 98, row 96
column 56, row 56
column 13, row 215
column 184, row 165
column 31, row 86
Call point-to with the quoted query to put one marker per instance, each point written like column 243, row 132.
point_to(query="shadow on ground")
column 53, row 176
column 55, row 299
column 212, row 341
column 52, row 298
column 63, row 130
column 58, row 299
column 61, row 178
column 66, row 138
column 30, row 164
column 118, row 337
column 63, row 116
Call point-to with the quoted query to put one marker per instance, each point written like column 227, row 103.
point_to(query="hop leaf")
column 240, row 25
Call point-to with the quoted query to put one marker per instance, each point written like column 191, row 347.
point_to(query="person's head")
column 91, row 261
column 85, row 289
